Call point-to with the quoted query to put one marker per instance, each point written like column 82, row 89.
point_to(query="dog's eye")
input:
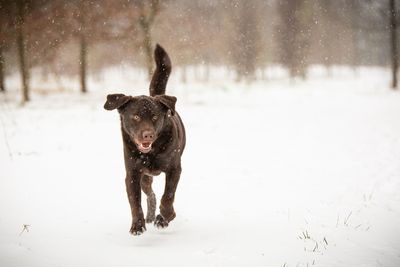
column 136, row 118
column 155, row 118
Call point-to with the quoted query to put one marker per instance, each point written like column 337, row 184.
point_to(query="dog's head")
column 142, row 117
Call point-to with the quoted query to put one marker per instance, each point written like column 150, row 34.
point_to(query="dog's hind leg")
column 145, row 184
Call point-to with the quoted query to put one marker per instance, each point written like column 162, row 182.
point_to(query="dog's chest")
column 149, row 165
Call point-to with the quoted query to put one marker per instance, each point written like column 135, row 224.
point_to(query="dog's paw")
column 160, row 222
column 138, row 227
column 150, row 218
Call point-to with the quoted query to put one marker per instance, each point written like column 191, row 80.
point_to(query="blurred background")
column 249, row 40
column 292, row 121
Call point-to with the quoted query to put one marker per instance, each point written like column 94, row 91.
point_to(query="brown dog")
column 154, row 139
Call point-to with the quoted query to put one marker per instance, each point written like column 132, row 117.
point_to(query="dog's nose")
column 148, row 135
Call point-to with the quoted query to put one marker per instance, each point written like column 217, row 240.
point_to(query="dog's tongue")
column 146, row 145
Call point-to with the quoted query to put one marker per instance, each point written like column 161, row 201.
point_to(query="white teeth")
column 141, row 146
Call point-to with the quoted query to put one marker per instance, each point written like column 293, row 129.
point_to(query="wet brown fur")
column 166, row 152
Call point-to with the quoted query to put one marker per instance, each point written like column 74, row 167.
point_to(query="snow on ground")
column 274, row 174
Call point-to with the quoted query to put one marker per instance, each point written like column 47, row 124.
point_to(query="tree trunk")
column 83, row 62
column 264, row 73
column 2, row 85
column 146, row 21
column 148, row 49
column 22, row 51
column 393, row 42
column 355, row 35
column 294, row 35
column 184, row 74
column 207, row 72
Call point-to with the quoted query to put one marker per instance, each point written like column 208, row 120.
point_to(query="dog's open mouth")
column 144, row 147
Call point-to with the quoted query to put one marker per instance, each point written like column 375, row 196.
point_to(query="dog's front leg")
column 166, row 208
column 132, row 182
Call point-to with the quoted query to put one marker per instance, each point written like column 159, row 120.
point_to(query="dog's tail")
column 161, row 74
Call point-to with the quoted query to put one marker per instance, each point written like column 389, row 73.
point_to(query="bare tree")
column 375, row 21
column 294, row 34
column 83, row 47
column 245, row 39
column 2, row 75
column 23, row 14
column 22, row 8
column 80, row 12
column 148, row 10
column 5, row 38
column 394, row 50
column 86, row 22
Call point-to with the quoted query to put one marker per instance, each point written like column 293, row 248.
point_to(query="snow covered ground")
column 274, row 174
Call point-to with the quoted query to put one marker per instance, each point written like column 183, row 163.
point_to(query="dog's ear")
column 116, row 101
column 167, row 101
